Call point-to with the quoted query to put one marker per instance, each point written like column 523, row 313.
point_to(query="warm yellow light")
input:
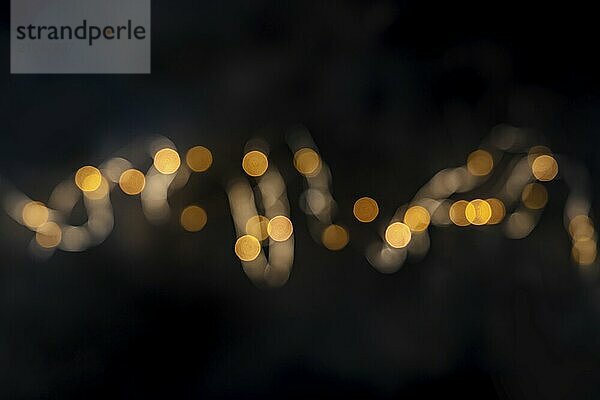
column 581, row 228
column 398, row 235
column 478, row 212
column 257, row 227
column 99, row 193
column 247, row 248
column 167, row 161
column 48, row 235
column 193, row 218
column 307, row 162
column 480, row 163
column 584, row 251
column 457, row 213
column 534, row 196
column 280, row 228
column 498, row 211
column 544, row 168
column 199, row 158
column 417, row 218
column 132, row 182
column 35, row 214
column 365, row 209
column 335, row 237
column 255, row 163
column 88, row 178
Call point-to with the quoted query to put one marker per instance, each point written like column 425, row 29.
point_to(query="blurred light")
column 167, row 161
column 199, row 158
column 193, row 218
column 534, row 196
column 307, row 162
column 440, row 215
column 257, row 227
column 519, row 225
column 581, row 228
column 397, row 235
column 544, row 168
column 88, row 178
column 537, row 151
column 584, row 252
column 280, row 228
column 255, row 163
column 457, row 213
column 34, row 214
column 100, row 193
column 335, row 237
column 75, row 238
column 247, row 248
column 114, row 167
column 498, row 211
column 478, row 212
column 480, row 163
column 132, row 182
column 365, row 209
column 417, row 218
column 48, row 235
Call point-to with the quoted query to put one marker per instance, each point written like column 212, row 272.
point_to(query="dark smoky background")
column 392, row 92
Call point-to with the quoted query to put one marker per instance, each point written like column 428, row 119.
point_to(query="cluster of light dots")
column 414, row 220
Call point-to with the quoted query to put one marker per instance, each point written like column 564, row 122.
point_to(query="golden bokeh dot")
column 581, row 227
column 280, row 228
column 480, row 163
column 247, row 248
column 544, row 168
column 255, row 163
column 584, row 252
column 307, row 162
column 34, row 214
column 365, row 209
column 193, row 218
column 417, row 218
column 498, row 211
column 132, row 182
column 48, row 235
column 478, row 212
column 88, row 178
column 257, row 227
column 457, row 213
column 534, row 196
column 167, row 161
column 398, row 235
column 199, row 158
column 335, row 237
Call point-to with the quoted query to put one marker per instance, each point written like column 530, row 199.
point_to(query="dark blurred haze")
column 392, row 92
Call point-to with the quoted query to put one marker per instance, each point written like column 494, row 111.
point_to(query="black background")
column 392, row 93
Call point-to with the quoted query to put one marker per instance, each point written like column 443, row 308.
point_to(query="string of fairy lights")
column 514, row 172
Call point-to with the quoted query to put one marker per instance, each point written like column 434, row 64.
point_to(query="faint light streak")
column 534, row 196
